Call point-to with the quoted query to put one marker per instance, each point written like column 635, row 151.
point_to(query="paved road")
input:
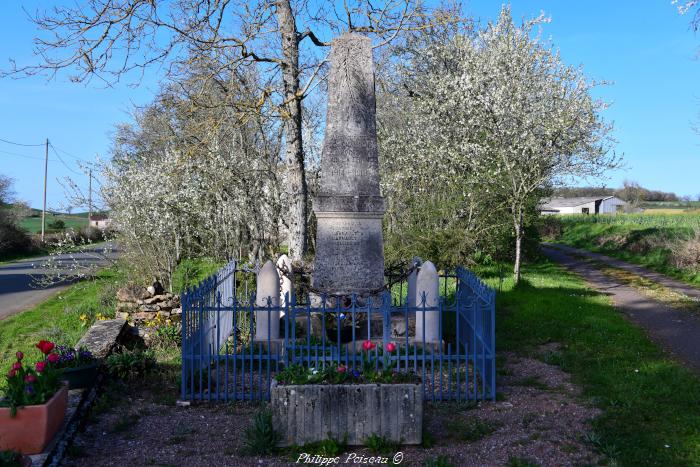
column 677, row 331
column 18, row 288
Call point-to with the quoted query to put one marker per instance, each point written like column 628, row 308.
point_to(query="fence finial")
column 428, row 313
column 267, row 298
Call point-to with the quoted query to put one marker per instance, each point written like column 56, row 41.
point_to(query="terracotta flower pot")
column 34, row 425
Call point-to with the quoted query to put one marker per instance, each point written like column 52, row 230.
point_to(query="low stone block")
column 102, row 336
column 309, row 413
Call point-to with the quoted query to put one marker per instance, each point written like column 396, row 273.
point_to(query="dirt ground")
column 539, row 419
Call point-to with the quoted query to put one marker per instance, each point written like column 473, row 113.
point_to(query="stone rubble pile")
column 139, row 304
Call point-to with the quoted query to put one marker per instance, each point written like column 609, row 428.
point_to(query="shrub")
column 550, row 228
column 11, row 459
column 381, row 445
column 58, row 224
column 439, row 461
column 686, row 254
column 521, row 462
column 167, row 336
column 261, row 437
column 129, row 365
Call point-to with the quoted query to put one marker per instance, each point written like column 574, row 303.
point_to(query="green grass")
column 191, row 271
column 649, row 401
column 640, row 244
column 33, row 224
column 57, row 319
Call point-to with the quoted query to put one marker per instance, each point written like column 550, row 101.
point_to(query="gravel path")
column 668, row 282
column 677, row 331
column 540, row 418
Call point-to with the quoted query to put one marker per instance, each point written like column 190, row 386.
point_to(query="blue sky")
column 644, row 48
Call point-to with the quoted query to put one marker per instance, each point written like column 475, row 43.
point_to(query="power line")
column 63, row 162
column 25, row 156
column 67, row 153
column 19, row 144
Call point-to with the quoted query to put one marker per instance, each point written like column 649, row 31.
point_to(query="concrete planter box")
column 314, row 412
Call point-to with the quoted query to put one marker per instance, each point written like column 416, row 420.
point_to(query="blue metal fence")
column 223, row 361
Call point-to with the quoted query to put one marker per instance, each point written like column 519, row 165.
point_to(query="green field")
column 33, row 224
column 649, row 402
column 651, row 219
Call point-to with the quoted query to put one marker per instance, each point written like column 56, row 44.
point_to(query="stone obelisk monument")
column 349, row 208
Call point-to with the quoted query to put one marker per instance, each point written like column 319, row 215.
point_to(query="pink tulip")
column 390, row 347
column 368, row 345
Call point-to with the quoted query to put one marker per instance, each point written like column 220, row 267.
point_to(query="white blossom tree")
column 196, row 180
column 496, row 120
column 687, row 6
column 287, row 41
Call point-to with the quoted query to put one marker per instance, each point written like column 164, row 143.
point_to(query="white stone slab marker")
column 267, row 322
column 427, row 283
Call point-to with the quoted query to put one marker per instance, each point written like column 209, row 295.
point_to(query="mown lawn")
column 57, row 319
column 651, row 404
column 646, row 246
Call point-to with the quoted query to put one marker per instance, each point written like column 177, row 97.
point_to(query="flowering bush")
column 29, row 384
column 67, row 357
column 371, row 370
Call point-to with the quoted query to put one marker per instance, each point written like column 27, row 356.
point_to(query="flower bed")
column 34, row 404
column 77, row 367
column 376, row 367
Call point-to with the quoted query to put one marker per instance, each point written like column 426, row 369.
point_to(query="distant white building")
column 100, row 221
column 583, row 205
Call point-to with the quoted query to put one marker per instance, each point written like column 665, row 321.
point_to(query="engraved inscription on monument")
column 349, row 208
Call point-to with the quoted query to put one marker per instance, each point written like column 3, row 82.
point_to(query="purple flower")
column 29, row 389
column 356, row 373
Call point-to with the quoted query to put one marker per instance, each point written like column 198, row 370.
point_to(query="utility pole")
column 90, row 198
column 46, row 171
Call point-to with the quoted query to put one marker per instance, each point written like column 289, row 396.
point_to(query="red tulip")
column 341, row 369
column 30, row 379
column 390, row 347
column 17, row 366
column 40, row 366
column 53, row 358
column 12, row 374
column 20, row 355
column 45, row 346
column 368, row 345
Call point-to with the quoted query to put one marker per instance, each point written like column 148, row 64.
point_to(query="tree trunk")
column 518, row 223
column 294, row 152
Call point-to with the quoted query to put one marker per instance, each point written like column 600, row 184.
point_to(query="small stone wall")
column 308, row 413
column 139, row 304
